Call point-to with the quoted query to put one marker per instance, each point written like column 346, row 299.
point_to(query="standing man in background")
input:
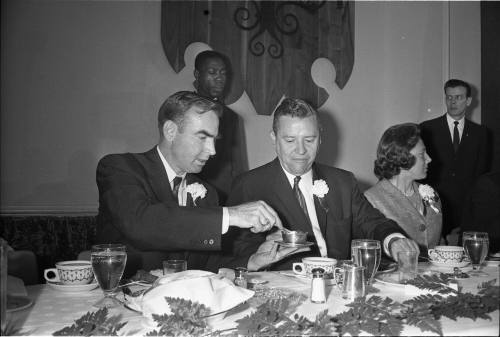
column 459, row 151
column 212, row 77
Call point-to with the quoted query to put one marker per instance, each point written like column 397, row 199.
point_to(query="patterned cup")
column 71, row 272
column 310, row 263
column 447, row 254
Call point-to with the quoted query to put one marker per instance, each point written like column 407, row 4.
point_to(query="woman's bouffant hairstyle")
column 393, row 152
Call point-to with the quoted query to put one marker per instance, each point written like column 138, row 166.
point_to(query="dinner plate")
column 294, row 245
column 393, row 278
column 72, row 288
column 16, row 303
column 450, row 265
column 305, row 278
column 387, row 268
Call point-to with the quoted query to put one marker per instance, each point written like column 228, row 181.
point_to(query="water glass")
column 174, row 266
column 476, row 245
column 407, row 265
column 353, row 285
column 367, row 253
column 108, row 264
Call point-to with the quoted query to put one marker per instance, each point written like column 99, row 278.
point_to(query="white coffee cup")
column 71, row 272
column 309, row 263
column 447, row 254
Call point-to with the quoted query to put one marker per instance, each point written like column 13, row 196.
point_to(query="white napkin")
column 216, row 292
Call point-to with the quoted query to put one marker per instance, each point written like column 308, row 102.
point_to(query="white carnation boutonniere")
column 429, row 197
column 196, row 190
column 320, row 189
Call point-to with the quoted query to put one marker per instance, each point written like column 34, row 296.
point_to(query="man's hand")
column 401, row 245
column 256, row 215
column 270, row 252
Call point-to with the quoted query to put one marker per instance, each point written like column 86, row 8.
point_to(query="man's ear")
column 469, row 101
column 170, row 130
column 273, row 136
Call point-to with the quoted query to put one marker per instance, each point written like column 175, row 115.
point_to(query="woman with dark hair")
column 401, row 160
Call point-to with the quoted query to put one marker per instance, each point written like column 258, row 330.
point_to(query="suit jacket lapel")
column 284, row 193
column 158, row 176
column 321, row 205
column 446, row 138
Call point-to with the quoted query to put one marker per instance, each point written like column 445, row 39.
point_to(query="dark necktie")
column 175, row 189
column 300, row 196
column 456, row 137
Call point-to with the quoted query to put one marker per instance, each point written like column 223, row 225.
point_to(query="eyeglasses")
column 460, row 97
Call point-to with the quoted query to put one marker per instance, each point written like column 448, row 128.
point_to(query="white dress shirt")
column 451, row 125
column 182, row 195
column 305, row 186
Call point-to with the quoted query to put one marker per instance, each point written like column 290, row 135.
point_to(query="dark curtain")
column 51, row 238
column 490, row 75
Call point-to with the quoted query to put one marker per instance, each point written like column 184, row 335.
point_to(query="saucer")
column 392, row 278
column 294, row 245
column 450, row 264
column 305, row 278
column 16, row 303
column 72, row 288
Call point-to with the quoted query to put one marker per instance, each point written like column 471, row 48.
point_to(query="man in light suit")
column 459, row 151
column 154, row 203
column 321, row 200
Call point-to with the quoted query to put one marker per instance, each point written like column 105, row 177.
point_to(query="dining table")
column 52, row 308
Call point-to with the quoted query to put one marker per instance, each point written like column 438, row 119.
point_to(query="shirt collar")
column 306, row 178
column 170, row 171
column 451, row 121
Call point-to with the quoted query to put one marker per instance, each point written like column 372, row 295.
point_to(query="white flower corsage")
column 320, row 189
column 197, row 190
column 429, row 197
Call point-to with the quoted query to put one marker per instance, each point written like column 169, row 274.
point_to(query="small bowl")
column 296, row 237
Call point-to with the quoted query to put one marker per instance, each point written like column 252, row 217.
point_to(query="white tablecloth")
column 52, row 310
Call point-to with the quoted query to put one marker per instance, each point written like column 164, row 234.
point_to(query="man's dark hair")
column 294, row 107
column 202, row 57
column 453, row 83
column 393, row 151
column 175, row 106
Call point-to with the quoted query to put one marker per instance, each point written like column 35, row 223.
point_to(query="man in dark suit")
column 482, row 211
column 459, row 152
column 321, row 200
column 212, row 75
column 155, row 204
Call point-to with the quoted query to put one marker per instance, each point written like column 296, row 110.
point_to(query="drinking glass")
column 476, row 245
column 366, row 253
column 108, row 263
column 407, row 265
column 174, row 266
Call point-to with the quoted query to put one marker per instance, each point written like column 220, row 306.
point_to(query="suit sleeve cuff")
column 225, row 220
column 388, row 239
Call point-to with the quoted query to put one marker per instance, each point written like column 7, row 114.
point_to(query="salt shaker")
column 240, row 277
column 318, row 294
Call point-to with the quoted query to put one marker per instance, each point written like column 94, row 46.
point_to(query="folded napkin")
column 216, row 292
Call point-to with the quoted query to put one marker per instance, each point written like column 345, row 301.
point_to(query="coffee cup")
column 71, row 272
column 446, row 254
column 294, row 237
column 309, row 263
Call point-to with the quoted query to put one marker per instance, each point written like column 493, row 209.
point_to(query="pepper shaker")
column 240, row 277
column 318, row 293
